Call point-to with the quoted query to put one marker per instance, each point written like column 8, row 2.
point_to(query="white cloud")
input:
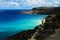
column 39, row 3
column 12, row 3
column 9, row 4
column 29, row 3
column 32, row 2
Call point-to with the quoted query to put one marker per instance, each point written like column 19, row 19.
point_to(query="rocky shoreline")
column 48, row 30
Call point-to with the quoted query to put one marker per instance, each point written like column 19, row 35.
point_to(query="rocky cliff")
column 48, row 30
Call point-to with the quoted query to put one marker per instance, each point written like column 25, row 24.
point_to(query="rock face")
column 48, row 30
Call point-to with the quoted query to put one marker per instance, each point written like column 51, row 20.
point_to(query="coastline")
column 50, row 26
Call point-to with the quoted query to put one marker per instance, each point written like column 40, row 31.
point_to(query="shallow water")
column 11, row 22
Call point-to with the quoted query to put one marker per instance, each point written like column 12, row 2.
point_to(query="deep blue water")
column 11, row 22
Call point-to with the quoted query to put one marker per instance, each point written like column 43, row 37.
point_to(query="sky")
column 28, row 4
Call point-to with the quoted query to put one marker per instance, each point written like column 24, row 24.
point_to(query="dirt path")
column 34, row 35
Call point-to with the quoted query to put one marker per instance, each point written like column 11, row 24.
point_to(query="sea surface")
column 11, row 22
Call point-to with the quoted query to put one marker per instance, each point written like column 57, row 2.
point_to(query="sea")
column 12, row 22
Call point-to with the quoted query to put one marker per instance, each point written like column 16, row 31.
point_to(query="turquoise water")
column 26, row 23
column 11, row 22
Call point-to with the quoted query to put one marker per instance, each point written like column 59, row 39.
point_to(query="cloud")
column 34, row 2
column 29, row 3
column 40, row 2
column 9, row 4
column 12, row 3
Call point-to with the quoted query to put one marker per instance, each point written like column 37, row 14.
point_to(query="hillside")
column 42, row 10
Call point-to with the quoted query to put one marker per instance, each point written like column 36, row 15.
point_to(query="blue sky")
column 28, row 4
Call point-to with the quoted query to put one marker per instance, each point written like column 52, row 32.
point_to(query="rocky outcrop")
column 48, row 30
